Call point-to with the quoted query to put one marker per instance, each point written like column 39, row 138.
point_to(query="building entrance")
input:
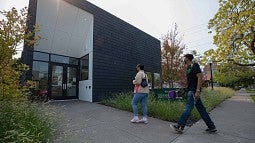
column 63, row 80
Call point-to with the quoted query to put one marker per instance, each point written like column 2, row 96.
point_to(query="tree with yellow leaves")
column 234, row 27
column 13, row 33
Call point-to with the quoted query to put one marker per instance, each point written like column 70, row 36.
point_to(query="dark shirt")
column 192, row 70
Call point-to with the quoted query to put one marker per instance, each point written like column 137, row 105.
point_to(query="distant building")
column 86, row 53
column 207, row 72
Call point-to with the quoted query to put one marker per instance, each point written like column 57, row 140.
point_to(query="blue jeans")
column 200, row 108
column 142, row 98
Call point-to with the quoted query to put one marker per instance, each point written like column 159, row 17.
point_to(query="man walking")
column 194, row 78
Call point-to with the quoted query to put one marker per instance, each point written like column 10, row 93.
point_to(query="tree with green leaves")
column 171, row 52
column 13, row 32
column 232, row 75
column 234, row 28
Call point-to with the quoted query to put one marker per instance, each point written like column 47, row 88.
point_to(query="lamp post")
column 210, row 63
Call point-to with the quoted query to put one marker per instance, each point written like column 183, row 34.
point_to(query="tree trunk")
column 253, row 44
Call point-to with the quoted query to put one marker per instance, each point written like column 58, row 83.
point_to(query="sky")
column 157, row 17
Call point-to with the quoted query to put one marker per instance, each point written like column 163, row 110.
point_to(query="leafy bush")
column 24, row 122
column 167, row 109
column 20, row 121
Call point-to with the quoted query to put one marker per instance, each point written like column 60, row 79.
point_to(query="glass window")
column 73, row 61
column 41, row 56
column 65, row 60
column 40, row 75
column 59, row 59
column 84, row 67
column 71, row 81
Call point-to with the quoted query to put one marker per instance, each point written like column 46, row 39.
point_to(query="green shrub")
column 253, row 97
column 25, row 122
column 121, row 101
column 252, row 91
column 171, row 110
column 165, row 110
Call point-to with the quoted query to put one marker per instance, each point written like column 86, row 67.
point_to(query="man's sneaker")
column 135, row 120
column 144, row 120
column 176, row 128
column 211, row 130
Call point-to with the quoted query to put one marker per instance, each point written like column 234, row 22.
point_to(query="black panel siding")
column 120, row 48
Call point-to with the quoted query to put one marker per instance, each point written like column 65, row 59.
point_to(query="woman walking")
column 140, row 95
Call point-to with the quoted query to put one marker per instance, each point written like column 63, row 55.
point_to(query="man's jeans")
column 200, row 108
column 140, row 97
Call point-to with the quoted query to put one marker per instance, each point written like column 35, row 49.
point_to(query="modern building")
column 85, row 52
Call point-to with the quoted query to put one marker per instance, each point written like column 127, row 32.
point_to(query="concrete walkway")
column 83, row 122
column 235, row 121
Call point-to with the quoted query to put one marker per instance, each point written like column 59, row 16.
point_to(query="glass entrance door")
column 57, row 85
column 63, row 83
column 71, row 83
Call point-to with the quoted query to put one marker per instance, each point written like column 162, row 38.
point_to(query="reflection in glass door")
column 71, row 81
column 57, row 81
column 63, row 81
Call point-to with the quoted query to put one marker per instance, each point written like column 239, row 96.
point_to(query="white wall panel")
column 85, row 90
column 60, row 42
column 45, row 44
column 91, row 66
column 47, row 12
column 67, row 30
column 66, row 17
column 81, row 24
column 75, row 45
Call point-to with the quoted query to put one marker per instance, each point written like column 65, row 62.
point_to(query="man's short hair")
column 189, row 56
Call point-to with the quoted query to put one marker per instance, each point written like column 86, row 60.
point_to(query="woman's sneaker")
column 135, row 120
column 176, row 128
column 211, row 130
column 144, row 120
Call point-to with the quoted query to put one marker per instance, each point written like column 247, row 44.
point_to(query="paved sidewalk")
column 235, row 121
column 83, row 122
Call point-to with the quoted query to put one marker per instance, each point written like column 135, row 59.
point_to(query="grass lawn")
column 171, row 110
column 250, row 91
column 253, row 97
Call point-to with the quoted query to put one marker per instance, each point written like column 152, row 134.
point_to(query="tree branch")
column 232, row 60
